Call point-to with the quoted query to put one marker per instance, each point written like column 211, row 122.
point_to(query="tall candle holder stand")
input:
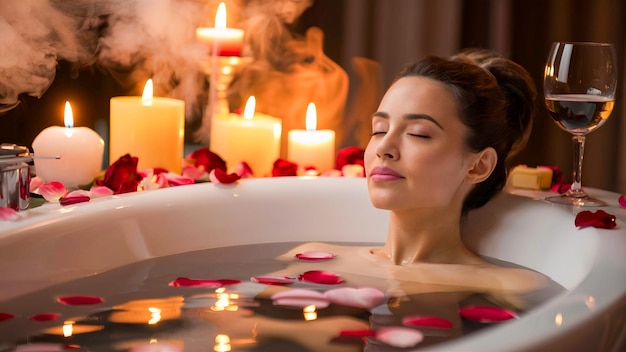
column 220, row 70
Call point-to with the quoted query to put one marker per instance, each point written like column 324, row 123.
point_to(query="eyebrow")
column 409, row 117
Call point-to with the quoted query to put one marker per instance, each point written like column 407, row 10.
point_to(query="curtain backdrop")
column 399, row 31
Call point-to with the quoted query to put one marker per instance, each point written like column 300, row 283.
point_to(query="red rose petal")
column 487, row 314
column 187, row 282
column 358, row 333
column 45, row 317
column 321, row 277
column 427, row 322
column 273, row 280
column 622, row 201
column 80, row 300
column 222, row 177
column 6, row 316
column 314, row 255
column 73, row 200
column 599, row 219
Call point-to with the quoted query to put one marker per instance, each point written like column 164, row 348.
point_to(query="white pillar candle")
column 150, row 128
column 312, row 147
column 80, row 150
column 255, row 139
column 221, row 40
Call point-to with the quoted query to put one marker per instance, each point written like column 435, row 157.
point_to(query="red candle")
column 221, row 40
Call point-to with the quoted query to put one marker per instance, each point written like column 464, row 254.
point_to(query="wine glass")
column 579, row 89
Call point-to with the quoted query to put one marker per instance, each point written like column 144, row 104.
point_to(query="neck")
column 426, row 236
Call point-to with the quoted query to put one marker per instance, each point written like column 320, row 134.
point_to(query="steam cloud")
column 132, row 40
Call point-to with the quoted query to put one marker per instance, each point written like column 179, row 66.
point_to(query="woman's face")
column 417, row 157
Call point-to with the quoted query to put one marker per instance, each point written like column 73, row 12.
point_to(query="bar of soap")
column 531, row 178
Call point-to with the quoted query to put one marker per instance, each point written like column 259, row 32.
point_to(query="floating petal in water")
column 314, row 255
column 273, row 280
column 399, row 336
column 187, row 282
column 40, row 347
column 487, row 314
column 80, row 300
column 300, row 298
column 364, row 297
column 45, row 317
column 6, row 316
column 427, row 322
column 156, row 347
column 358, row 333
column 321, row 277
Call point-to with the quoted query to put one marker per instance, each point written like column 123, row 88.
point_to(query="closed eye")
column 376, row 133
column 422, row 136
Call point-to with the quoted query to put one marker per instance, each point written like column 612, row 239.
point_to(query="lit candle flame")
column 68, row 117
column 148, row 93
column 222, row 343
column 311, row 117
column 220, row 16
column 248, row 111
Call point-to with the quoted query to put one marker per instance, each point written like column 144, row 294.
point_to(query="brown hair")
column 496, row 101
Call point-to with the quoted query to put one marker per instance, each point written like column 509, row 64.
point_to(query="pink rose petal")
column 174, row 179
column 45, row 317
column 622, row 201
column 100, row 191
column 6, row 316
column 487, row 314
column 35, row 182
column 399, row 336
column 321, row 277
column 80, row 300
column 52, row 191
column 364, row 297
column 314, row 255
column 187, row 282
column 300, row 298
column 73, row 200
column 273, row 280
column 77, row 193
column 40, row 347
column 7, row 213
column 197, row 173
column 427, row 322
column 599, row 219
column 156, row 347
column 242, row 169
column 331, row 173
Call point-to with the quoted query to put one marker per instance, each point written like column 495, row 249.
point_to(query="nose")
column 387, row 148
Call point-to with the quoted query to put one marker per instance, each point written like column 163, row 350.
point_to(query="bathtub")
column 53, row 244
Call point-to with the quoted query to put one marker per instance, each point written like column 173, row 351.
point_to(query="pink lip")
column 384, row 174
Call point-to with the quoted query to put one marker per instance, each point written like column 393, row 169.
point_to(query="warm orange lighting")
column 222, row 343
column 155, row 315
column 248, row 111
column 224, row 301
column 311, row 117
column 68, row 328
column 148, row 93
column 220, row 16
column 309, row 312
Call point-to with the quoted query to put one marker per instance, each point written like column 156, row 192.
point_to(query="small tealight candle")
column 255, row 139
column 80, row 151
column 222, row 41
column 312, row 147
column 150, row 128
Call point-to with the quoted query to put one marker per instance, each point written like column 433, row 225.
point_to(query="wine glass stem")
column 579, row 149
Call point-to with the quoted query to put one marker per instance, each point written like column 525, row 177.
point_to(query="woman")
column 439, row 145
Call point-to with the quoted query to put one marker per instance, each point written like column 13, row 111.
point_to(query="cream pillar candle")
column 312, row 147
column 80, row 151
column 221, row 40
column 255, row 139
column 150, row 128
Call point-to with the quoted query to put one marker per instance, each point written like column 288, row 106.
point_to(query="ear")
column 484, row 163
